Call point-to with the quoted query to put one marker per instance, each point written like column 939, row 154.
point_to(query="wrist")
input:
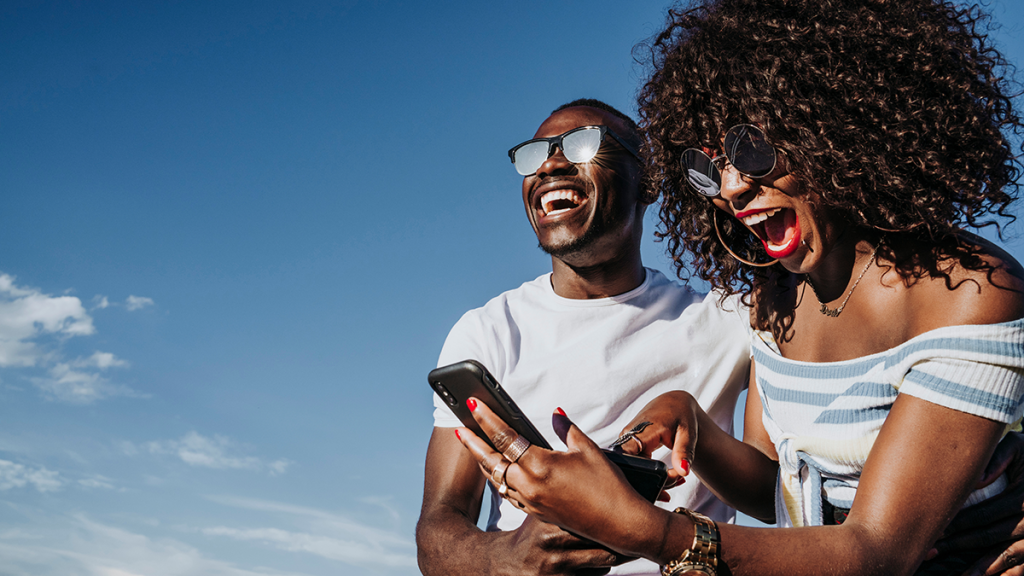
column 662, row 537
column 702, row 555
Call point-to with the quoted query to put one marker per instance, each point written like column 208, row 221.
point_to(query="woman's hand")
column 673, row 423
column 579, row 490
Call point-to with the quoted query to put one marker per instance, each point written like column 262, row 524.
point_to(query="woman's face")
column 777, row 209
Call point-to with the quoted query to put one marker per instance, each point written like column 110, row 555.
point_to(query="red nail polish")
column 472, row 404
column 457, row 435
column 684, row 465
column 560, row 411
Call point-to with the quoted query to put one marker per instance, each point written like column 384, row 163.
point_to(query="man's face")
column 585, row 213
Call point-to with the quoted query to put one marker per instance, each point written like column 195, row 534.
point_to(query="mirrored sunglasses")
column 578, row 145
column 745, row 147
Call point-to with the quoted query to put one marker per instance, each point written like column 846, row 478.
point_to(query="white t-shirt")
column 602, row 361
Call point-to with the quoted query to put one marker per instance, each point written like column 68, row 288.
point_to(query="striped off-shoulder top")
column 823, row 417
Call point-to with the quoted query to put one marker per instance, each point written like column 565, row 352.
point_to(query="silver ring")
column 498, row 474
column 639, row 443
column 631, row 435
column 515, row 451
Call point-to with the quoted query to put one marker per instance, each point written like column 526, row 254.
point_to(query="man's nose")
column 554, row 165
column 737, row 189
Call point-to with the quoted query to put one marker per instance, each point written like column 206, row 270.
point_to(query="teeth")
column 760, row 217
column 551, row 197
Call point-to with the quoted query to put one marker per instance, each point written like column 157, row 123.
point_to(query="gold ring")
column 498, row 474
column 515, row 451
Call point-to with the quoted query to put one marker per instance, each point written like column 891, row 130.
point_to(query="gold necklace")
column 835, row 312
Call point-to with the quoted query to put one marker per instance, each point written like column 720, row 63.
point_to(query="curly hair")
column 896, row 113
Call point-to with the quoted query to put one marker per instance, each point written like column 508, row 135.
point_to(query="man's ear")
column 648, row 192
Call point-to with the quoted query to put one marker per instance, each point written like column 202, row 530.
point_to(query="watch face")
column 689, row 569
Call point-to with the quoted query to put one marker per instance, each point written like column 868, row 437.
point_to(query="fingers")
column 682, row 449
column 485, row 456
column 501, row 434
column 1009, row 562
column 573, row 437
column 630, row 441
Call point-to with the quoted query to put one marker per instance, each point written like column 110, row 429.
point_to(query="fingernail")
column 560, row 411
column 457, row 435
column 931, row 554
column 471, row 402
column 684, row 465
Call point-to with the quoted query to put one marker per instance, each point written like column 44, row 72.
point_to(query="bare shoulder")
column 986, row 294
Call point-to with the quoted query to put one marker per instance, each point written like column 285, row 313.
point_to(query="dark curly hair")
column 896, row 112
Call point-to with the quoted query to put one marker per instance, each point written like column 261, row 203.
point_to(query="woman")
column 822, row 157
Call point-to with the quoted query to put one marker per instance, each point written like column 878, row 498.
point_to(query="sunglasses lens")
column 581, row 145
column 701, row 172
column 529, row 157
column 749, row 151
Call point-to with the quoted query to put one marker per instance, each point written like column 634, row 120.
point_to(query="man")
column 600, row 337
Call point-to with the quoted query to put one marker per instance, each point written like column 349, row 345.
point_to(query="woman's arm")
column 923, row 464
column 741, row 474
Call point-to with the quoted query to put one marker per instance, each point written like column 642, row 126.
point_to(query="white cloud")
column 325, row 534
column 348, row 551
column 67, row 383
column 101, row 360
column 33, row 328
column 27, row 314
column 214, row 452
column 14, row 475
column 78, row 546
column 100, row 302
column 96, row 482
column 133, row 303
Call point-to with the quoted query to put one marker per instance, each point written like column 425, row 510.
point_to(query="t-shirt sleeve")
column 472, row 338
column 980, row 371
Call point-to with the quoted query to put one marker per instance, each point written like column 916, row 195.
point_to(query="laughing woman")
column 825, row 158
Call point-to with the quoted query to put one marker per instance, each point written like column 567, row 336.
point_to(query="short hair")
column 634, row 131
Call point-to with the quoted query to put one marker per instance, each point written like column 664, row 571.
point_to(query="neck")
column 609, row 278
column 845, row 261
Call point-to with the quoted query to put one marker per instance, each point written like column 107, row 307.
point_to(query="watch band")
column 702, row 557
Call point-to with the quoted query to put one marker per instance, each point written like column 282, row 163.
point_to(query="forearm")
column 450, row 544
column 851, row 550
column 739, row 474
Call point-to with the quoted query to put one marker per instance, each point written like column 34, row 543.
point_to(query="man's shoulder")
column 523, row 295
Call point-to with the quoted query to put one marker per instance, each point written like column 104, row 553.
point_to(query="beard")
column 577, row 246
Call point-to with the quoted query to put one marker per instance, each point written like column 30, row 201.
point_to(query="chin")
column 564, row 245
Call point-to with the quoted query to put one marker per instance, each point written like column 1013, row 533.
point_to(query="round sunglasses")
column 578, row 145
column 746, row 148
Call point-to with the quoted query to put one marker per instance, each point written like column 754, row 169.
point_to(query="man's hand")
column 545, row 549
column 450, row 544
column 998, row 520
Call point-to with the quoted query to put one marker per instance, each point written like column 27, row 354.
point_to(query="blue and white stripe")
column 824, row 417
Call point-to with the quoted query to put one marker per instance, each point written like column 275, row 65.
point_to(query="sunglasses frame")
column 556, row 141
column 714, row 162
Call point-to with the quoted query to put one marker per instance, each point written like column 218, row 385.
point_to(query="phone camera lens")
column 445, row 394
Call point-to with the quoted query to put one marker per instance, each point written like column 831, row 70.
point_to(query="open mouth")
column 778, row 229
column 560, row 201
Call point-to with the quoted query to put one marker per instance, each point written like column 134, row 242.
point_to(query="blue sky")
column 233, row 237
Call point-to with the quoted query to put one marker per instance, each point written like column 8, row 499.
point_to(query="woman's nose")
column 736, row 188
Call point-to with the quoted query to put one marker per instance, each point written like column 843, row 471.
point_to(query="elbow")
column 877, row 554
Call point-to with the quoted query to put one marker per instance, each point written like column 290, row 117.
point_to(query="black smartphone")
column 457, row 382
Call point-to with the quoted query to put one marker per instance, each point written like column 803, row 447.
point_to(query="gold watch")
column 702, row 557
